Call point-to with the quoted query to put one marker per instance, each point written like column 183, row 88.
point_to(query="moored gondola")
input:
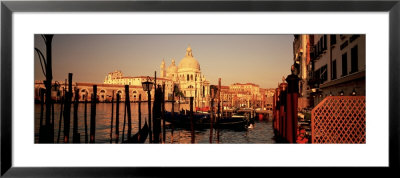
column 203, row 121
column 139, row 137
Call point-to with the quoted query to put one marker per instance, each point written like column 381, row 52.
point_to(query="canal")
column 260, row 132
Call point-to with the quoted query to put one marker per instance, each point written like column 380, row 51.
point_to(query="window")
column 344, row 64
column 354, row 37
column 342, row 46
column 333, row 77
column 324, row 73
column 187, row 77
column 333, row 39
column 191, row 77
column 354, row 59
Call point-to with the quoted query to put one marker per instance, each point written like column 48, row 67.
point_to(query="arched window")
column 187, row 77
column 191, row 77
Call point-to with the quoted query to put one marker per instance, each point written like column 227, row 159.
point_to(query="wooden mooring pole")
column 41, row 128
column 191, row 119
column 128, row 109
column 163, row 112
column 219, row 107
column 172, row 114
column 117, row 119
column 67, row 110
column 61, row 112
column 112, row 115
column 140, row 113
column 93, row 116
column 149, row 113
column 85, row 117
column 52, row 122
column 212, row 115
column 123, row 125
column 75, row 134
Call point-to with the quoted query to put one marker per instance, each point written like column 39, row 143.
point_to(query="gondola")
column 139, row 137
column 203, row 121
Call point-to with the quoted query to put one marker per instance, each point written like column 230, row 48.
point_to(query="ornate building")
column 187, row 76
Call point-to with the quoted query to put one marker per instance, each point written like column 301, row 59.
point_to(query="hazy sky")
column 259, row 59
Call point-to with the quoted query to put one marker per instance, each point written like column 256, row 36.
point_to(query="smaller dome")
column 172, row 68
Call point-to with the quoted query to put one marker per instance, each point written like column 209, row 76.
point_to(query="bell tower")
column 163, row 72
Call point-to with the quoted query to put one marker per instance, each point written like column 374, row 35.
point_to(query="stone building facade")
column 337, row 66
column 188, row 77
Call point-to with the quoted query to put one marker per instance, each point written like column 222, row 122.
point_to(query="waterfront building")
column 246, row 95
column 104, row 91
column 302, row 45
column 337, row 66
column 117, row 78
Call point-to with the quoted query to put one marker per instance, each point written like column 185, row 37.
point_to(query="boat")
column 202, row 120
column 236, row 121
column 140, row 136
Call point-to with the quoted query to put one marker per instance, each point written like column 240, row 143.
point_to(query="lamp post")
column 147, row 86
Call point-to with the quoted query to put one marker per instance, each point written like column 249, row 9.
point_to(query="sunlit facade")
column 187, row 76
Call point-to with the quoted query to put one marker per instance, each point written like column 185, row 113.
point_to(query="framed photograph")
column 142, row 88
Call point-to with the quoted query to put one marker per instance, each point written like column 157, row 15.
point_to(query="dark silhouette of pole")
column 149, row 111
column 117, row 119
column 85, row 117
column 128, row 109
column 123, row 126
column 112, row 115
column 219, row 107
column 163, row 112
column 191, row 119
column 212, row 114
column 52, row 123
column 154, row 100
column 173, row 113
column 61, row 112
column 49, row 76
column 140, row 112
column 219, row 98
column 75, row 134
column 41, row 128
column 93, row 116
column 67, row 110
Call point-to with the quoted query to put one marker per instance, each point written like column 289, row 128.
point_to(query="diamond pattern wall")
column 339, row 119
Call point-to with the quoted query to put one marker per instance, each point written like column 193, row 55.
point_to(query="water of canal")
column 261, row 132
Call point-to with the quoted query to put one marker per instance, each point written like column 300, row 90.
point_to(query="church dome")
column 172, row 68
column 189, row 62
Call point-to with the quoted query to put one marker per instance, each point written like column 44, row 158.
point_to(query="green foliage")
column 178, row 93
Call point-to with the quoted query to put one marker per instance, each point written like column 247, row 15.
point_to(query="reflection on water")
column 261, row 132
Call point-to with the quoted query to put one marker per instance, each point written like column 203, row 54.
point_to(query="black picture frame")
column 8, row 7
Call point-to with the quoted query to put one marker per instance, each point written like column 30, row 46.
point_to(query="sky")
column 259, row 59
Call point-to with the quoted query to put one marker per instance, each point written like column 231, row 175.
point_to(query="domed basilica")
column 187, row 76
